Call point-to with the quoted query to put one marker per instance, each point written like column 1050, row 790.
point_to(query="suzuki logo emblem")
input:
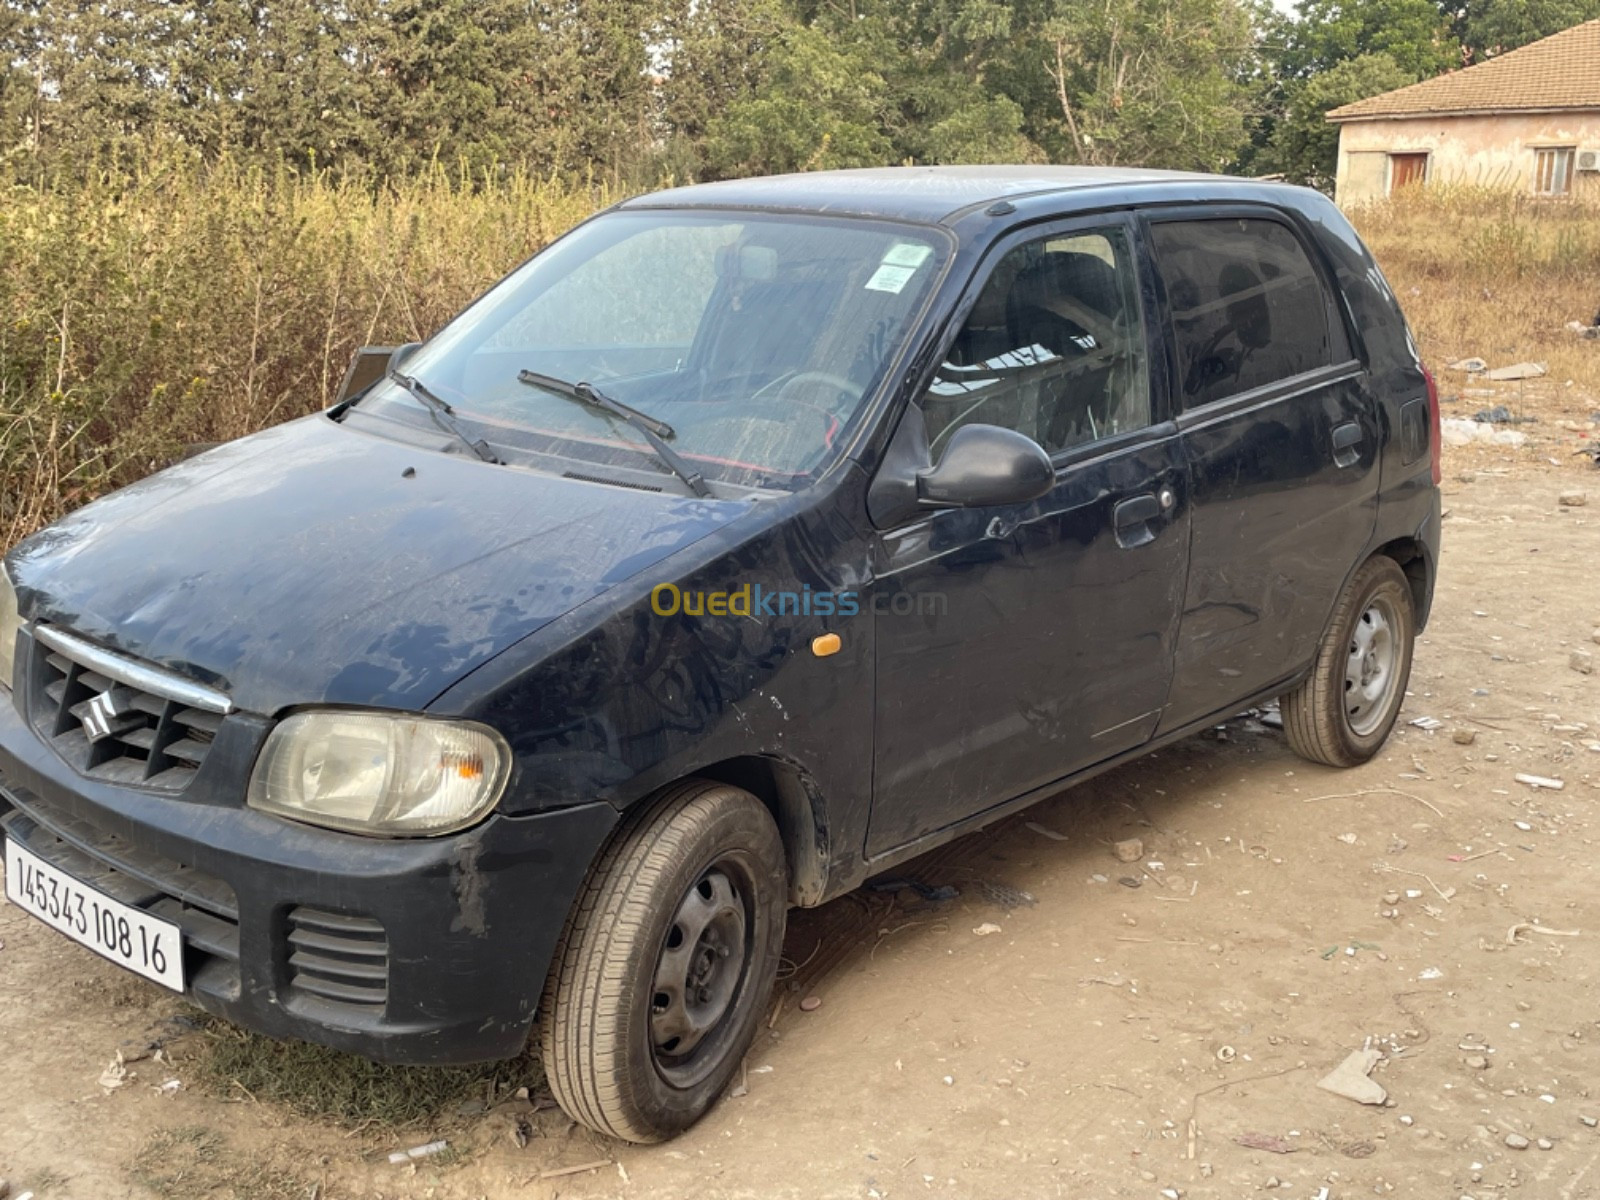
column 104, row 710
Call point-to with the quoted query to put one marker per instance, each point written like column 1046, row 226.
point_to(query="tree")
column 1415, row 34
column 1488, row 27
column 19, row 88
column 982, row 129
column 635, row 88
column 710, row 55
column 1159, row 83
column 821, row 103
column 466, row 80
column 946, row 104
column 1304, row 146
column 98, row 74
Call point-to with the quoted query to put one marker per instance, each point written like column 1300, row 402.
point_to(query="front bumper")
column 421, row 951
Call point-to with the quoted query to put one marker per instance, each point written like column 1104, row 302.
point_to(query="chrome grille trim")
column 118, row 720
column 134, row 674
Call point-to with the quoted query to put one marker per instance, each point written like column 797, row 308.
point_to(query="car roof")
column 929, row 194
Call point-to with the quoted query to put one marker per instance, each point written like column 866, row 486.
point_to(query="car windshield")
column 756, row 338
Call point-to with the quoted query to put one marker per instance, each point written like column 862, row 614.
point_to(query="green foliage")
column 632, row 88
column 822, row 105
column 367, row 85
column 882, row 85
column 1142, row 82
column 984, row 130
column 1495, row 26
column 1415, row 34
column 1304, row 146
column 1153, row 82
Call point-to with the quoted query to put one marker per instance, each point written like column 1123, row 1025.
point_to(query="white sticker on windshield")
column 907, row 254
column 889, row 278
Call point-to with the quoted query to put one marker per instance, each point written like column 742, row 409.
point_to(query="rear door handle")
column 1347, row 444
column 1131, row 520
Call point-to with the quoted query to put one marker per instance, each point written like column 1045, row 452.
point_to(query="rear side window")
column 1248, row 309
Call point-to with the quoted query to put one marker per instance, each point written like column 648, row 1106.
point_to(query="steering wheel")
column 773, row 434
column 847, row 389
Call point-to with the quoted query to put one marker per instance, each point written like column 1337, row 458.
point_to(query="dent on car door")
column 1281, row 438
column 1019, row 643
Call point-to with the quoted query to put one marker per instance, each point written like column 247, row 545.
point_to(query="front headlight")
column 380, row 773
column 10, row 626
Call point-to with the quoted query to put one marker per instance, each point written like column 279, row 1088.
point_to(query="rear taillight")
column 1435, row 442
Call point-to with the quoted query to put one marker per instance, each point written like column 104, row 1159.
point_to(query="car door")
column 1281, row 437
column 1017, row 644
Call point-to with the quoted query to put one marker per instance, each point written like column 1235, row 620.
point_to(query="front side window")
column 1553, row 171
column 1248, row 309
column 757, row 339
column 1054, row 347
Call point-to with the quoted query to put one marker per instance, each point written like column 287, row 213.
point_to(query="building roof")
column 1557, row 72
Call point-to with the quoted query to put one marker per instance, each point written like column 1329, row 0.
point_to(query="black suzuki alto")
column 750, row 539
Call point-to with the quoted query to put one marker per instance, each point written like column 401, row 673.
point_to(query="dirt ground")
column 1053, row 1031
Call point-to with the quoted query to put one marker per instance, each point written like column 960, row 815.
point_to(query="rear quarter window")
column 1248, row 308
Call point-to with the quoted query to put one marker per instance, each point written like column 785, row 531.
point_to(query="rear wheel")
column 1344, row 710
column 663, row 970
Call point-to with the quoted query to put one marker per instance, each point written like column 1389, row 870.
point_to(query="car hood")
column 314, row 563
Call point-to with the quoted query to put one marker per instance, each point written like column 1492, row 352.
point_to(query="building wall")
column 1497, row 151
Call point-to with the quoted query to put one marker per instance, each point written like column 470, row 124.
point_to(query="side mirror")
column 985, row 465
column 369, row 365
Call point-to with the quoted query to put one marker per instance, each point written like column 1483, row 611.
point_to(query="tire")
column 1344, row 710
column 662, row 974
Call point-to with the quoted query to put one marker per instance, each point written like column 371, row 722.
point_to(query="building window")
column 1406, row 170
column 1552, row 174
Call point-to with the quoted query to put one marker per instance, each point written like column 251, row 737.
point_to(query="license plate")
column 130, row 938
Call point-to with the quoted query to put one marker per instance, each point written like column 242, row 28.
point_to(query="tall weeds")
column 146, row 310
column 1496, row 274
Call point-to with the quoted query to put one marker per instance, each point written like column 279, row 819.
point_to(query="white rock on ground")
column 1349, row 1078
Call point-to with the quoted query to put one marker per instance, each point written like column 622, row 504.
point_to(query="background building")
column 1528, row 119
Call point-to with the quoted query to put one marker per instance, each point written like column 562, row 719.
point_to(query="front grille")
column 339, row 957
column 151, row 735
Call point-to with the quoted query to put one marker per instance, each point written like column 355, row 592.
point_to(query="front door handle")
column 1347, row 444
column 1131, row 520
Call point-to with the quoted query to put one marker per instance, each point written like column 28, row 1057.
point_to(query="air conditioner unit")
column 1589, row 160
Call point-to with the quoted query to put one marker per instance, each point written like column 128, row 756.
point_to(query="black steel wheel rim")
column 701, row 973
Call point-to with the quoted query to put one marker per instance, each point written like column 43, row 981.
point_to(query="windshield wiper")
column 655, row 432
column 443, row 415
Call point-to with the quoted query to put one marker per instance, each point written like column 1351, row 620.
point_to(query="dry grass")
column 142, row 311
column 196, row 1163
column 1496, row 275
column 312, row 1081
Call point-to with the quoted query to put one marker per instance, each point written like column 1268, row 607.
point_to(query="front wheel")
column 663, row 970
column 1345, row 709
